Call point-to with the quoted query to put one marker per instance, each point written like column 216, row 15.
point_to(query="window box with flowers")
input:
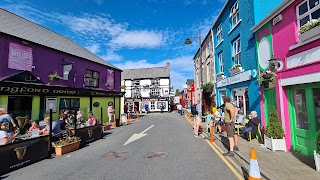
column 235, row 69
column 267, row 76
column 309, row 30
column 220, row 76
column 66, row 145
column 55, row 77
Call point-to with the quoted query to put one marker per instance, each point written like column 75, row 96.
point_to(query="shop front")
column 243, row 90
column 154, row 104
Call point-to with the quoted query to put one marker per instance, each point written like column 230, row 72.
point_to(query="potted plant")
column 207, row 87
column 316, row 155
column 274, row 136
column 66, row 145
column 220, row 76
column 235, row 69
column 54, row 77
column 309, row 30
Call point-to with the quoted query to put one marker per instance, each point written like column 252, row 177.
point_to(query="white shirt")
column 179, row 107
column 4, row 134
column 217, row 114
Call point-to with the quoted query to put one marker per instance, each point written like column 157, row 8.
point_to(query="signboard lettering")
column 245, row 76
column 20, row 57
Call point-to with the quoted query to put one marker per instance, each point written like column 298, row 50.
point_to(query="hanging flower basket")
column 55, row 77
column 268, row 75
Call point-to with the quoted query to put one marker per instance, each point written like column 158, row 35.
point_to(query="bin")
column 118, row 122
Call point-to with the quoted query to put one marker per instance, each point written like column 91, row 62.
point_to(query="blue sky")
column 128, row 33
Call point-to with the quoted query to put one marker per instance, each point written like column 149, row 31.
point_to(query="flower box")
column 317, row 160
column 275, row 144
column 106, row 127
column 220, row 77
column 235, row 70
column 310, row 33
column 61, row 150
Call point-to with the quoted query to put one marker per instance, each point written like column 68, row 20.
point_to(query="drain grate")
column 157, row 155
column 115, row 154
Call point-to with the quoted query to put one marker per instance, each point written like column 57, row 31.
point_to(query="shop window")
column 152, row 106
column 300, row 105
column 308, row 10
column 69, row 104
column 241, row 100
column 316, row 97
column 92, row 78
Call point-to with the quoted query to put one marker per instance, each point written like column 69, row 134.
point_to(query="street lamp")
column 188, row 42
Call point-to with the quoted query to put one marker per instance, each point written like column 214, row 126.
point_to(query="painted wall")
column 35, row 107
column 103, row 101
column 47, row 61
column 263, row 8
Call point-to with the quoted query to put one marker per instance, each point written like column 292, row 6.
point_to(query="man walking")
column 197, row 119
column 229, row 111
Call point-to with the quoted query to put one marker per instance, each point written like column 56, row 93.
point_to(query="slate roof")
column 190, row 81
column 17, row 26
column 146, row 73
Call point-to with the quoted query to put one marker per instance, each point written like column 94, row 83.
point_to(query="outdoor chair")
column 241, row 125
column 258, row 135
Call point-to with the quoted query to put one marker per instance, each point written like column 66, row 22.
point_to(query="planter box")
column 106, row 127
column 275, row 144
column 309, row 34
column 220, row 77
column 235, row 71
column 66, row 149
column 317, row 160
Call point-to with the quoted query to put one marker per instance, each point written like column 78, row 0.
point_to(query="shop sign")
column 20, row 57
column 32, row 90
column 245, row 76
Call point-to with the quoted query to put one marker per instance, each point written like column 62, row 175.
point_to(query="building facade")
column 235, row 58
column 293, row 58
column 149, row 86
column 30, row 53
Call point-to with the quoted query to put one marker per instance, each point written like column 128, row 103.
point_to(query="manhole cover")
column 115, row 154
column 157, row 155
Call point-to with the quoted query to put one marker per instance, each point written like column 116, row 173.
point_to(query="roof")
column 220, row 13
column 11, row 24
column 145, row 73
column 190, row 81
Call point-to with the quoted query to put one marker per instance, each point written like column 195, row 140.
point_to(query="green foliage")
column 274, row 128
column 311, row 24
column 177, row 92
column 235, row 66
column 207, row 85
column 220, row 74
column 66, row 141
column 54, row 77
column 318, row 141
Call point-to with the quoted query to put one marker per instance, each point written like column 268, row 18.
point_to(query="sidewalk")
column 278, row 164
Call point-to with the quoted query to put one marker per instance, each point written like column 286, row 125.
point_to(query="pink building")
column 294, row 57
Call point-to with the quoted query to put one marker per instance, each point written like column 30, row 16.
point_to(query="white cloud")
column 111, row 56
column 94, row 48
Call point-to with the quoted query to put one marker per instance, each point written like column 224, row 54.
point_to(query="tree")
column 177, row 92
column 274, row 127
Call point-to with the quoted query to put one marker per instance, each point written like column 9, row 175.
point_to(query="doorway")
column 20, row 106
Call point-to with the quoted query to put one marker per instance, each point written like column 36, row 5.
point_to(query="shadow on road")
column 225, row 141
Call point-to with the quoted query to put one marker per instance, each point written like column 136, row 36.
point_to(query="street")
column 167, row 150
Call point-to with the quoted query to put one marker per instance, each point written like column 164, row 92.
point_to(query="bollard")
column 211, row 134
column 114, row 121
column 128, row 118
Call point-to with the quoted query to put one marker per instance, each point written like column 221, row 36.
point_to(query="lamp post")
column 188, row 42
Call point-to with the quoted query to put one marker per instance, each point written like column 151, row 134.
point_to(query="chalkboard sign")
column 96, row 104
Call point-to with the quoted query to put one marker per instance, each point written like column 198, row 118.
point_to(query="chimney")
column 168, row 65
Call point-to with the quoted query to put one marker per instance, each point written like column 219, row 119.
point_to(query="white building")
column 149, row 86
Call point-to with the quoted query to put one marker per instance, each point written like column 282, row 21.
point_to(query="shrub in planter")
column 317, row 155
column 207, row 86
column 66, row 145
column 275, row 133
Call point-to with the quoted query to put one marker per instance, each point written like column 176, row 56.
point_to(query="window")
column 308, row 10
column 136, row 83
column 234, row 14
column 155, row 92
column 208, row 71
column 136, row 93
column 152, row 106
column 155, row 82
column 300, row 104
column 69, row 104
column 236, row 51
column 219, row 33
column 92, row 78
column 220, row 56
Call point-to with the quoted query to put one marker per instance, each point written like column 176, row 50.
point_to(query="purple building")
column 42, row 70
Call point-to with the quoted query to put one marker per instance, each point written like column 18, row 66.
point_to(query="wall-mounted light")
column 276, row 63
column 25, row 42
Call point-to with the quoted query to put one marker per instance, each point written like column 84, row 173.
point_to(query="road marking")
column 137, row 136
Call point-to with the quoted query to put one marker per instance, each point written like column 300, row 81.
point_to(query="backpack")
column 194, row 110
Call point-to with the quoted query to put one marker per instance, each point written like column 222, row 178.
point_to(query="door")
column 305, row 118
column 20, row 106
column 270, row 102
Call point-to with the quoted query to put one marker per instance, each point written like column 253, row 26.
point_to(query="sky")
column 129, row 34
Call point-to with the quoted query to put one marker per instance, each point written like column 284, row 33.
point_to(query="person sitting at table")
column 6, row 117
column 56, row 131
column 79, row 117
column 34, row 125
column 92, row 120
column 62, row 123
column 5, row 135
column 252, row 125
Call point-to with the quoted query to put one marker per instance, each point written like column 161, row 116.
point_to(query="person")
column 146, row 107
column 79, row 117
column 252, row 125
column 34, row 125
column 5, row 135
column 6, row 117
column 179, row 107
column 162, row 108
column 92, row 120
column 110, row 112
column 62, row 123
column 125, row 108
column 218, row 121
column 56, row 131
column 229, row 111
column 197, row 119
column 209, row 117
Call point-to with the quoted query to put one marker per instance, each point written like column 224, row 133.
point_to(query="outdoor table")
column 21, row 153
column 88, row 134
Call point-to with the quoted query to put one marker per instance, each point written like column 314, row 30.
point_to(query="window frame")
column 234, row 14
column 308, row 13
column 219, row 33
column 94, row 75
column 236, row 51
column 221, row 65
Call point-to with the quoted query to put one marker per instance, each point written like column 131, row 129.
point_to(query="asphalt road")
column 182, row 156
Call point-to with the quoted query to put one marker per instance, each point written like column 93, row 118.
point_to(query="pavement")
column 273, row 165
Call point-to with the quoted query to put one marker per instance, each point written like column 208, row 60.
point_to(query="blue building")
column 235, row 56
